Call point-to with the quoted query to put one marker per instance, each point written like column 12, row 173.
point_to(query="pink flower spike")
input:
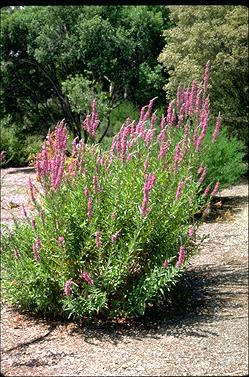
column 166, row 263
column 217, row 128
column 206, row 191
column 86, row 192
column 216, row 189
column 85, row 276
column 150, row 182
column 95, row 184
column 170, row 112
column 200, row 169
column 144, row 208
column 203, row 175
column 199, row 142
column 17, row 254
column 41, row 213
column 61, row 240
column 38, row 243
column 33, row 224
column 177, row 157
column 181, row 256
column 207, row 210
column 198, row 100
column 186, row 131
column 179, row 190
column 191, row 232
column 163, row 150
column 97, row 238
column 148, row 112
column 36, row 254
column 142, row 112
column 146, row 163
column 89, row 208
column 68, row 287
column 31, row 188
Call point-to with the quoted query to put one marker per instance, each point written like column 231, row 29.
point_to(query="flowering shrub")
column 113, row 230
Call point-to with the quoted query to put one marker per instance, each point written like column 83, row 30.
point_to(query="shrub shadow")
column 39, row 339
column 223, row 207
column 27, row 170
column 193, row 300
column 184, row 313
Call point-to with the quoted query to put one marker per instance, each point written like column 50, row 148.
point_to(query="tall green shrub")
column 113, row 229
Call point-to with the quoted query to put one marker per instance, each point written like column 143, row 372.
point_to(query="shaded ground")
column 201, row 331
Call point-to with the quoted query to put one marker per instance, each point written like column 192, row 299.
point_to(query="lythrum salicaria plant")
column 113, row 229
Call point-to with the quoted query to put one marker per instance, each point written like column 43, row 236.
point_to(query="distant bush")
column 119, row 114
column 113, row 229
column 224, row 159
column 18, row 149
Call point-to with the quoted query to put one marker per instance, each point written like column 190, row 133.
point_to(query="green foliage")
column 18, row 147
column 223, row 159
column 119, row 114
column 218, row 34
column 55, row 58
column 81, row 92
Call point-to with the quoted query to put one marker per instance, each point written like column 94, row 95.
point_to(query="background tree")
column 218, row 34
column 52, row 54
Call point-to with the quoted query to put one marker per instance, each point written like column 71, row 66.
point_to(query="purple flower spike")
column 33, row 224
column 203, row 175
column 61, row 240
column 68, row 287
column 36, row 254
column 146, row 163
column 38, row 243
column 200, row 169
column 86, row 192
column 191, row 232
column 166, row 263
column 179, row 190
column 17, row 254
column 181, row 256
column 216, row 189
column 217, row 129
column 31, row 189
column 206, row 191
column 97, row 238
column 42, row 215
column 85, row 276
column 177, row 157
column 89, row 208
column 207, row 210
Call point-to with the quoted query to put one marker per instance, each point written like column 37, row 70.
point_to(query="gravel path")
column 206, row 334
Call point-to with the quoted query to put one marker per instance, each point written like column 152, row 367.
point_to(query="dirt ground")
column 201, row 331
